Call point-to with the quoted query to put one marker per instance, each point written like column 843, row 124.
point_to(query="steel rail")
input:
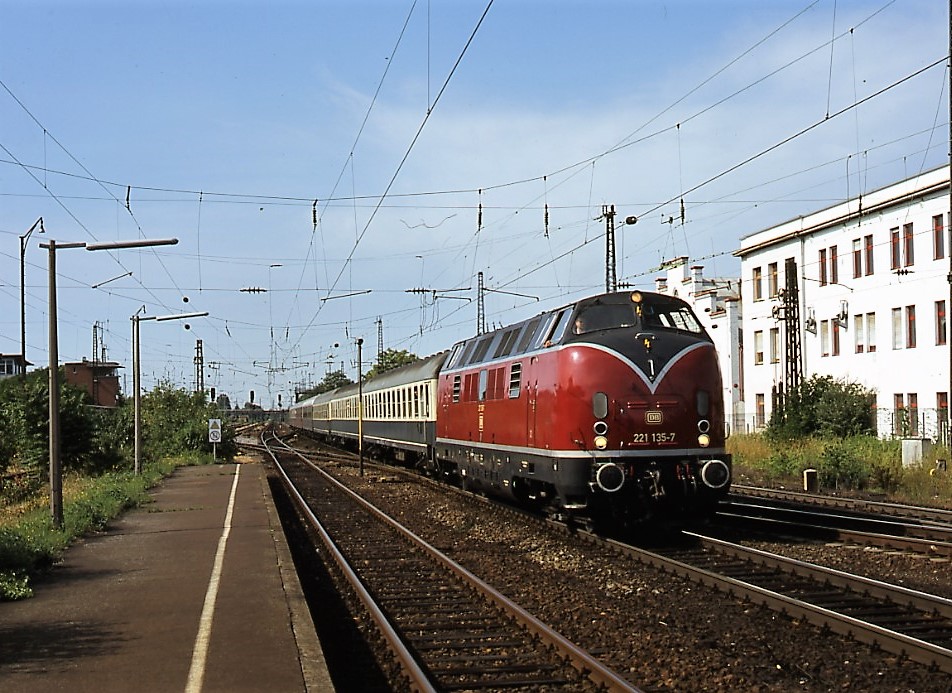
column 869, row 633
column 577, row 657
column 898, row 594
column 941, row 515
column 924, row 546
column 418, row 678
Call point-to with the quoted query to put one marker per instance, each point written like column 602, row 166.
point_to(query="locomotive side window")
column 451, row 362
column 515, row 380
column 558, row 329
column 506, row 343
column 468, row 353
column 483, row 381
column 482, row 349
column 527, row 335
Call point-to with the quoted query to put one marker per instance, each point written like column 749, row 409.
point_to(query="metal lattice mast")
column 793, row 372
column 379, row 339
column 481, row 307
column 199, row 367
column 611, row 280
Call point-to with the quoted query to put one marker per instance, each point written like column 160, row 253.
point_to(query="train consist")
column 607, row 410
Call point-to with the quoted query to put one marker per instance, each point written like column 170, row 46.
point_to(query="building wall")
column 873, row 296
column 98, row 380
column 717, row 304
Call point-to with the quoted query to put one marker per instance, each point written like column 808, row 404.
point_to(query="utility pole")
column 199, row 367
column 611, row 280
column 481, row 307
column 788, row 312
column 360, row 404
column 379, row 339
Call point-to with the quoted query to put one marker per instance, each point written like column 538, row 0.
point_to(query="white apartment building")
column 873, row 293
column 717, row 304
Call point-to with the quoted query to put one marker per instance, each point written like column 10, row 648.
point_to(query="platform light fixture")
column 56, row 465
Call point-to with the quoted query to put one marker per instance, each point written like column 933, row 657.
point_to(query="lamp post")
column 23, row 239
column 56, row 467
column 137, row 376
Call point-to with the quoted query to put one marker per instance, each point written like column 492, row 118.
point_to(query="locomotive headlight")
column 601, row 442
column 704, row 440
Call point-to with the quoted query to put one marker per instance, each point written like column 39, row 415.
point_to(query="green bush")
column 840, row 467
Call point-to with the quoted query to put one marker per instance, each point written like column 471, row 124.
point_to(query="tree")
column 331, row 381
column 175, row 422
column 390, row 359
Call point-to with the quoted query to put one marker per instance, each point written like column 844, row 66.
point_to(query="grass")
column 861, row 465
column 30, row 545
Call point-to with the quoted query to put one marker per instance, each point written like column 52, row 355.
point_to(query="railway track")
column 786, row 515
column 904, row 622
column 447, row 629
column 857, row 506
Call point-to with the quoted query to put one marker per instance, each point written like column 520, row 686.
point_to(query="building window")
column 758, row 284
column 894, row 248
column 871, row 332
column 758, row 347
column 822, row 264
column 913, row 402
column 835, row 329
column 940, row 338
column 857, row 258
column 772, row 286
column 868, row 245
column 910, row 327
column 834, row 271
column 825, row 338
column 897, row 328
column 938, row 238
column 907, row 245
column 774, row 345
column 761, row 411
column 942, row 404
column 858, row 342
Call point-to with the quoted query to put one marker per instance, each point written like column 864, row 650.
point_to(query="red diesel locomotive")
column 609, row 409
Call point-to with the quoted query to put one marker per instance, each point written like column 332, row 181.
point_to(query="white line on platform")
column 196, row 674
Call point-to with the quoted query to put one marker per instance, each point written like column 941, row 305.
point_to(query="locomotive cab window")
column 671, row 315
column 604, row 316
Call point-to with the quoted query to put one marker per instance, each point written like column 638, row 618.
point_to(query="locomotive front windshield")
column 647, row 313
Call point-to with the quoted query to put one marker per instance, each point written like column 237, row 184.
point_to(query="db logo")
column 653, row 417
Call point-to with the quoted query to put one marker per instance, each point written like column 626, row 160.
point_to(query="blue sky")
column 222, row 122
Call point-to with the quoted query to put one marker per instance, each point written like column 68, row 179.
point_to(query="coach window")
column 416, row 401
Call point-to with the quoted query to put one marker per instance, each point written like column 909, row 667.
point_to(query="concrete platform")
column 194, row 592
